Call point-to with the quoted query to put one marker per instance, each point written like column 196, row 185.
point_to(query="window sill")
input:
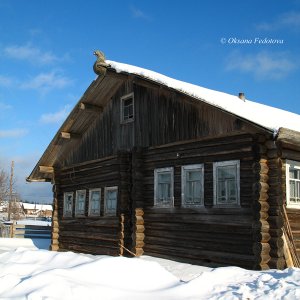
column 293, row 206
column 226, row 206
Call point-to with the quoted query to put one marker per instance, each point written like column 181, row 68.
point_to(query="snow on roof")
column 37, row 206
column 266, row 116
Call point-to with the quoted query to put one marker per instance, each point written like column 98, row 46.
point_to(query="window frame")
column 68, row 213
column 106, row 211
column 296, row 165
column 156, row 173
column 184, row 170
column 228, row 163
column 80, row 213
column 122, row 101
column 98, row 212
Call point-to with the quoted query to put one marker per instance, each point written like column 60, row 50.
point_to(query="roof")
column 266, row 116
column 32, row 206
column 99, row 93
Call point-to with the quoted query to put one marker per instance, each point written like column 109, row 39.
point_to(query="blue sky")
column 46, row 59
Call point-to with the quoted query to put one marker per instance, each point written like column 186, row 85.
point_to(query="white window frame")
column 94, row 212
column 68, row 211
column 108, row 212
column 296, row 165
column 80, row 212
column 123, row 99
column 184, row 170
column 228, row 163
column 157, row 202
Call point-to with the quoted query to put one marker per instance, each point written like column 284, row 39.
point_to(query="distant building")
column 4, row 206
column 39, row 210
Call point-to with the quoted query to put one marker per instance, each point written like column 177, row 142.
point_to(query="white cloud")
column 4, row 106
column 13, row 133
column 57, row 117
column 5, row 81
column 47, row 81
column 137, row 13
column 263, row 65
column 31, row 54
column 287, row 20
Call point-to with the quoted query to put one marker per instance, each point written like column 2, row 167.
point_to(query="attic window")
column 127, row 108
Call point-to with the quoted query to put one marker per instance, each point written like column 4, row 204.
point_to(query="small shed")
column 146, row 164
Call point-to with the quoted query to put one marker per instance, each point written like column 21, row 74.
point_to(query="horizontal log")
column 277, row 252
column 139, row 212
column 260, row 249
column 90, row 107
column 139, row 251
column 46, row 169
column 261, row 266
column 211, row 258
column 139, row 228
column 260, row 187
column 276, row 242
column 275, row 221
column 138, row 236
column 290, row 154
column 258, row 215
column 139, row 243
column 270, row 144
column 277, row 263
column 273, row 153
column 139, row 220
column 54, row 247
column 55, row 236
column 262, row 237
column 261, row 168
column 276, row 232
column 262, row 259
column 261, row 206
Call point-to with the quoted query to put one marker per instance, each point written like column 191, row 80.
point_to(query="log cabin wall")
column 208, row 235
column 193, row 132
column 94, row 234
column 293, row 215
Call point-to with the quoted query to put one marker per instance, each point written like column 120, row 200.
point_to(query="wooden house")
column 38, row 210
column 146, row 164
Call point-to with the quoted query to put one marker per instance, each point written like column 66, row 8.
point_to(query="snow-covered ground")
column 30, row 273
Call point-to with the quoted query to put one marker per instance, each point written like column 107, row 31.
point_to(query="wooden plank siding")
column 162, row 116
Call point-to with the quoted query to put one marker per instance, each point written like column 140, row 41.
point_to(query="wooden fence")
column 30, row 231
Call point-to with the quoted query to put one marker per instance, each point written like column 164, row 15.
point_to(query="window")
column 127, row 108
column 192, row 185
column 163, row 187
column 293, row 184
column 68, row 204
column 80, row 203
column 227, row 182
column 94, row 202
column 110, row 200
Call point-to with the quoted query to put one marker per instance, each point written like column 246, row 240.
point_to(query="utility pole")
column 11, row 188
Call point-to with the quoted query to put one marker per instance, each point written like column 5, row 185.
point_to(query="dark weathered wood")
column 169, row 130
